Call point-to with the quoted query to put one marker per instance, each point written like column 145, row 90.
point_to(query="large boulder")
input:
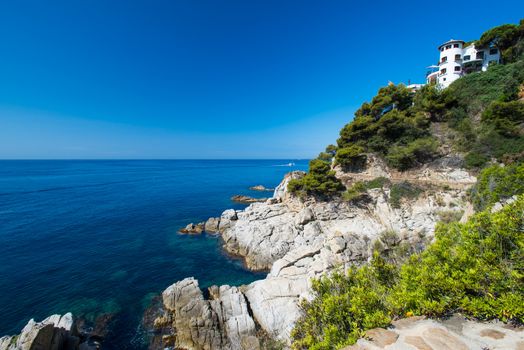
column 220, row 323
column 211, row 225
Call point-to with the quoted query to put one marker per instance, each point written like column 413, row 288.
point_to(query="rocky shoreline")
column 297, row 239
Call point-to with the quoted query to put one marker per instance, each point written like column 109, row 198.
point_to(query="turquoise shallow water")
column 94, row 237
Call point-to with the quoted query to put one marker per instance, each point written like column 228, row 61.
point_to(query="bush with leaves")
column 505, row 117
column 320, row 181
column 417, row 152
column 475, row 268
column 497, row 183
column 351, row 157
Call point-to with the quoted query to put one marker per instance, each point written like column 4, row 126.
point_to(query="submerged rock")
column 246, row 199
column 261, row 188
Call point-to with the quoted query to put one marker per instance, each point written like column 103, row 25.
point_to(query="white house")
column 456, row 60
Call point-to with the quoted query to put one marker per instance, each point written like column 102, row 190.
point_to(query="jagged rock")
column 5, row 341
column 193, row 229
column 211, row 225
column 240, row 327
column 281, row 190
column 53, row 333
column 304, row 216
column 196, row 323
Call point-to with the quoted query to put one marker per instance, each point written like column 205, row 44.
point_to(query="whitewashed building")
column 456, row 60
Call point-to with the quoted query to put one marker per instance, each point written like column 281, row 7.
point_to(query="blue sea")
column 97, row 237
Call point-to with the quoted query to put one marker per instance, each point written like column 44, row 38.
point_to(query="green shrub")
column 351, row 157
column 355, row 192
column 475, row 160
column 474, row 268
column 403, row 190
column 434, row 101
column 417, row 152
column 378, row 182
column 320, row 181
column 497, row 183
column 505, row 117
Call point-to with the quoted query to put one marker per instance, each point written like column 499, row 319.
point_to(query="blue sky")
column 210, row 79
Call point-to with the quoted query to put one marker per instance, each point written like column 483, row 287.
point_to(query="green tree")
column 320, row 181
column 506, row 38
column 351, row 157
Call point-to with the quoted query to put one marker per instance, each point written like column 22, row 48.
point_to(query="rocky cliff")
column 297, row 239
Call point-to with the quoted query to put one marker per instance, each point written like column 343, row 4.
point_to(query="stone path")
column 456, row 333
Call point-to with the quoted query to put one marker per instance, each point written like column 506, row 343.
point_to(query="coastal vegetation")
column 473, row 267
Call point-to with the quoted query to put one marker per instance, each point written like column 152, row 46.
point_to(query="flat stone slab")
column 456, row 333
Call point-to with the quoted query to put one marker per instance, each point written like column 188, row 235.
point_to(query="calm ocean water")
column 97, row 237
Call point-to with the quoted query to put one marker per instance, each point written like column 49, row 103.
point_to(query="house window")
column 441, row 49
column 480, row 55
column 455, row 45
column 457, row 57
column 467, row 58
column 444, row 59
column 457, row 69
column 444, row 79
column 493, row 51
column 448, row 47
column 443, row 71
